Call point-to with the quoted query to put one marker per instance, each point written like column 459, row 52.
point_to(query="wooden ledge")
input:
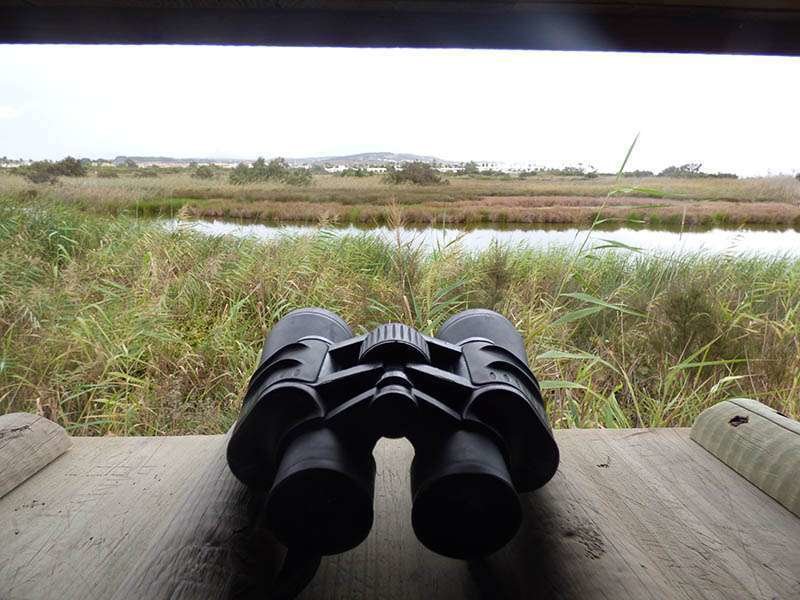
column 630, row 514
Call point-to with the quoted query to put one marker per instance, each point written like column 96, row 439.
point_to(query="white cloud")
column 733, row 113
column 8, row 112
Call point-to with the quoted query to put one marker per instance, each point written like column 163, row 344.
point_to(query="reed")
column 124, row 327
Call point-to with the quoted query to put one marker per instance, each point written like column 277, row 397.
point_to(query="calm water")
column 714, row 241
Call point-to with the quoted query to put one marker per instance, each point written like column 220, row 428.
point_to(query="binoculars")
column 321, row 398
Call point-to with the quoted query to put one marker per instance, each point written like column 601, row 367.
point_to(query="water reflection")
column 739, row 242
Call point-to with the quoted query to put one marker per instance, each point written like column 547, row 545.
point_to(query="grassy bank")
column 536, row 210
column 654, row 200
column 122, row 327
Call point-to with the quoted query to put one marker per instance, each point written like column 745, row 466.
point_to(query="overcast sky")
column 739, row 114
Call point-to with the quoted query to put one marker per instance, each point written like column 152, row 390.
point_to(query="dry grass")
column 501, row 210
column 771, row 200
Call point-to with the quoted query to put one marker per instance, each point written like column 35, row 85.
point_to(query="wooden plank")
column 213, row 543
column 28, row 443
column 631, row 514
column 648, row 514
column 757, row 442
column 135, row 518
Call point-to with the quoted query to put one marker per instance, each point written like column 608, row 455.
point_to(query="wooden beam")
column 740, row 28
column 28, row 443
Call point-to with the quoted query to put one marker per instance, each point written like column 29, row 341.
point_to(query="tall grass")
column 124, row 327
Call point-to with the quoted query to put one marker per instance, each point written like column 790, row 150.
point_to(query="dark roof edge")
column 704, row 30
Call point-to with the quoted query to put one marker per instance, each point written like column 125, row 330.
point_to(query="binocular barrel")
column 466, row 399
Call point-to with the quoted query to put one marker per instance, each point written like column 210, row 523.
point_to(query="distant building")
column 13, row 164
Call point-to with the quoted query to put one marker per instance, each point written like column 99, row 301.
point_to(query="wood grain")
column 135, row 518
column 28, row 443
column 648, row 514
column 631, row 514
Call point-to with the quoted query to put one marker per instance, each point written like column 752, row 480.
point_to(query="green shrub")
column 39, row 172
column 692, row 170
column 277, row 169
column 45, row 171
column 416, row 172
column 353, row 172
column 578, row 171
column 70, row 167
column 203, row 172
column 297, row 177
column 240, row 174
column 470, row 168
column 107, row 173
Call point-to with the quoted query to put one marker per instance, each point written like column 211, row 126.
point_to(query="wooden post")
column 757, row 442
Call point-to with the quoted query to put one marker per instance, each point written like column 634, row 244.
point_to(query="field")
column 657, row 201
column 118, row 326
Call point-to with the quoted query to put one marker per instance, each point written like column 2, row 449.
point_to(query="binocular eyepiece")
column 466, row 399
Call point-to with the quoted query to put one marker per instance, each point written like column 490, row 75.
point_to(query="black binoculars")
column 466, row 399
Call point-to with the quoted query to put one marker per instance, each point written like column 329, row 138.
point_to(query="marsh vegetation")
column 122, row 326
column 454, row 199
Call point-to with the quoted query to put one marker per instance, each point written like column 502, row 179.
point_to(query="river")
column 733, row 242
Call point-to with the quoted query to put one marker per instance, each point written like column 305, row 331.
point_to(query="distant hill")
column 363, row 159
